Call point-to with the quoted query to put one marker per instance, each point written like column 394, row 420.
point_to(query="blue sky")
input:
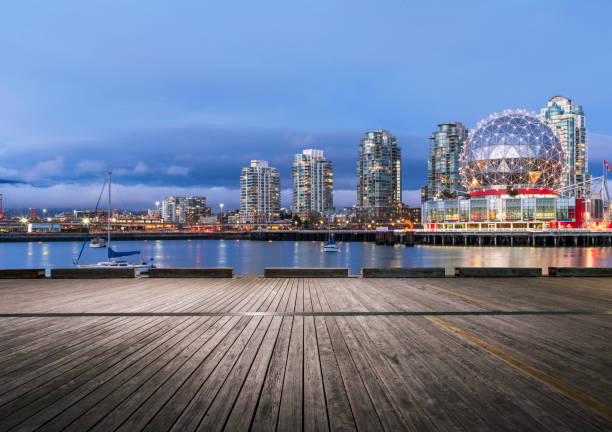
column 174, row 97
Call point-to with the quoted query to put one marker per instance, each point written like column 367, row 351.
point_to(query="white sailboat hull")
column 144, row 268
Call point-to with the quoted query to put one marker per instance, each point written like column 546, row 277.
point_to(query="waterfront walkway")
column 311, row 354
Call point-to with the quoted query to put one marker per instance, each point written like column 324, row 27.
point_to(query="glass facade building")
column 379, row 172
column 504, row 210
column 259, row 193
column 569, row 123
column 313, row 183
column 445, row 148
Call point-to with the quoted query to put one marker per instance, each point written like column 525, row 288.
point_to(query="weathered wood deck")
column 311, row 354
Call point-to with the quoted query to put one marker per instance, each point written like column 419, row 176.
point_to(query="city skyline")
column 160, row 110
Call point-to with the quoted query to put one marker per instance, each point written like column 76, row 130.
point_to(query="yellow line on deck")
column 474, row 299
column 552, row 382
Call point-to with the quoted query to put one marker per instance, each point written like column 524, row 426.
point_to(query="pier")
column 306, row 354
column 515, row 237
column 534, row 238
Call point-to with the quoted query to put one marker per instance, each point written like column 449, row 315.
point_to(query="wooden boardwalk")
column 306, row 354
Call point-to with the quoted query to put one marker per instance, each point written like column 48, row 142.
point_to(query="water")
column 251, row 257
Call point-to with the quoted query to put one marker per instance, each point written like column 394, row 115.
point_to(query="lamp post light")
column 24, row 221
column 221, row 212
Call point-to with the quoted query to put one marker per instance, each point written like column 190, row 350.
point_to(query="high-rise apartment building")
column 570, row 127
column 313, row 183
column 445, row 147
column 184, row 209
column 171, row 209
column 195, row 209
column 379, row 170
column 259, row 193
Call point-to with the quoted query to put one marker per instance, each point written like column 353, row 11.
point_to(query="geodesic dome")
column 515, row 149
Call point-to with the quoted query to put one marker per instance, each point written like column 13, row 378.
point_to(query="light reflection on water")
column 251, row 257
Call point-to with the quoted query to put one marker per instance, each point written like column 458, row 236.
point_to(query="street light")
column 221, row 213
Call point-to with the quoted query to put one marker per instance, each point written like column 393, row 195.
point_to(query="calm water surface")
column 251, row 257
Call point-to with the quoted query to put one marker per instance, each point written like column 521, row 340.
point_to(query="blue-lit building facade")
column 379, row 174
column 312, row 182
column 259, row 193
column 445, row 148
column 569, row 124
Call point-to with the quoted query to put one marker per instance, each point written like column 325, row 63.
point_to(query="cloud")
column 133, row 197
column 141, row 168
column 138, row 169
column 178, row 170
column 90, row 166
column 46, row 169
column 141, row 196
column 8, row 173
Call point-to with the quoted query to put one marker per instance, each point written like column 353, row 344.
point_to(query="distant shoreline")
column 122, row 236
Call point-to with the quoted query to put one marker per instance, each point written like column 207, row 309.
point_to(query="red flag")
column 607, row 164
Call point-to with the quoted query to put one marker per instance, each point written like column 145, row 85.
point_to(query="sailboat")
column 114, row 260
column 330, row 245
column 97, row 242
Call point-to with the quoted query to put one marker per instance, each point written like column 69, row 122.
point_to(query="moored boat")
column 114, row 256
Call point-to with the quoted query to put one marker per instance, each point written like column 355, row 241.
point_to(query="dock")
column 472, row 237
column 254, row 353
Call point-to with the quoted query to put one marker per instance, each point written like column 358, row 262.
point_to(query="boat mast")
column 108, row 219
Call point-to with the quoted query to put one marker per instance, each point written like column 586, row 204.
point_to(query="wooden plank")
column 144, row 406
column 291, row 416
column 266, row 413
column 25, row 406
column 191, row 390
column 191, row 272
column 365, row 414
column 301, row 272
column 93, row 273
column 22, row 273
column 101, row 399
column 402, row 272
column 243, row 412
column 50, row 369
column 339, row 410
column 224, row 401
column 198, row 406
column 315, row 409
column 98, row 411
